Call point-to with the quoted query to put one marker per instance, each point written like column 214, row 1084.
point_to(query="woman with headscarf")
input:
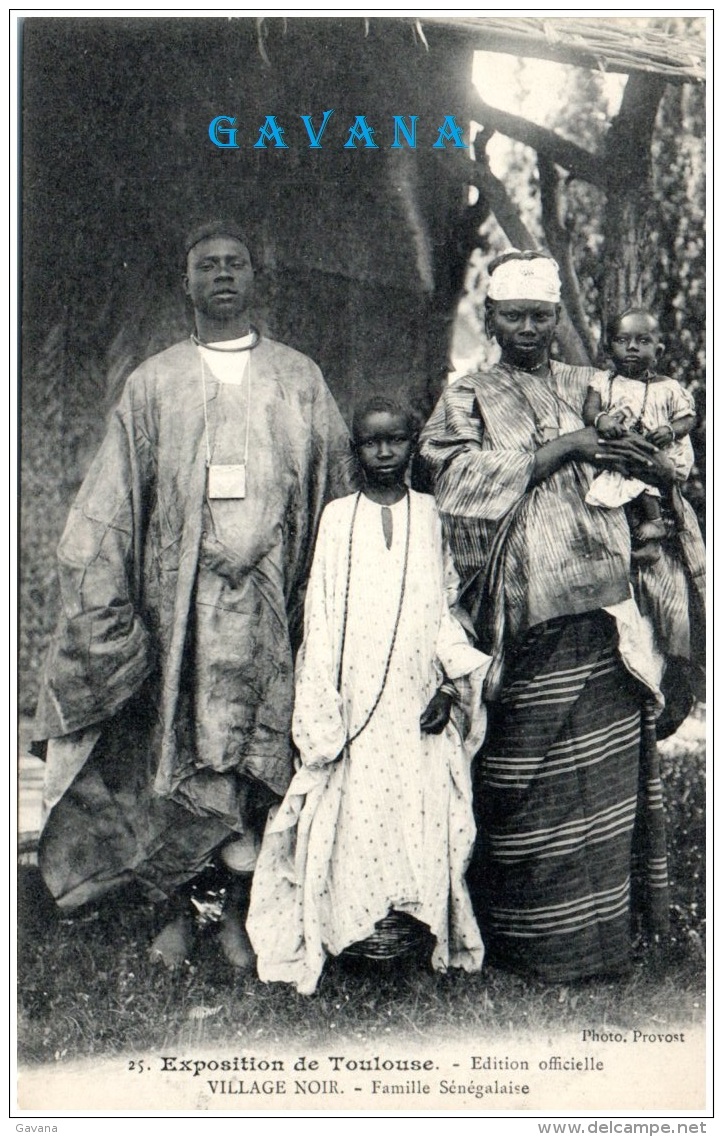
column 567, row 785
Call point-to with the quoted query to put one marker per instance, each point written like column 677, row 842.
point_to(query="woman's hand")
column 635, row 457
column 436, row 716
column 586, row 445
column 582, row 444
column 631, row 456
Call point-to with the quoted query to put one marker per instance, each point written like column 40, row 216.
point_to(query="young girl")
column 634, row 397
column 368, row 850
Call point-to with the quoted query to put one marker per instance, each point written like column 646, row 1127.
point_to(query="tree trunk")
column 627, row 257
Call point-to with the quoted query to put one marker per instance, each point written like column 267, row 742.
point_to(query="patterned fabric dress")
column 384, row 822
column 644, row 405
column 567, row 788
column 671, row 591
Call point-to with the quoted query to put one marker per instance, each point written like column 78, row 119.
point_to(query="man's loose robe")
column 168, row 687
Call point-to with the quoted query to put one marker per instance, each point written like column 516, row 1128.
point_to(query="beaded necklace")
column 353, row 737
column 253, row 342
column 647, row 377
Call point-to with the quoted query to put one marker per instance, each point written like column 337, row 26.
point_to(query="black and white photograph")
column 360, row 670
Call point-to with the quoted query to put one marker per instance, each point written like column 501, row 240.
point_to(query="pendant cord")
column 353, row 737
column 205, row 412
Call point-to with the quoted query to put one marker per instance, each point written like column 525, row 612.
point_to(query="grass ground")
column 87, row 988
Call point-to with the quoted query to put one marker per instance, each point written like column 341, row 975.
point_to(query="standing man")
column 167, row 694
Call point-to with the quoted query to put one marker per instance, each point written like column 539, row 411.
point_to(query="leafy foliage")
column 672, row 233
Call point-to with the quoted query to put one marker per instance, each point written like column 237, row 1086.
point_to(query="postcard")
column 361, row 640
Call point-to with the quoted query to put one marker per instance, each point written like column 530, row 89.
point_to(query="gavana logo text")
column 223, row 132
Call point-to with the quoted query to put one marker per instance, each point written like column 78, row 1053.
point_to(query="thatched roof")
column 673, row 48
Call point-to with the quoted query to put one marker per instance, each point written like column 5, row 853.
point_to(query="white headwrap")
column 517, row 279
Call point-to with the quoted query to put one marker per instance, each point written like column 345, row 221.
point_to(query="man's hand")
column 218, row 558
column 434, row 719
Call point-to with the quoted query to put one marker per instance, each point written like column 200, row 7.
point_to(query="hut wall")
column 351, row 246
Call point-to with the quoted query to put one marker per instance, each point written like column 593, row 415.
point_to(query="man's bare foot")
column 646, row 554
column 174, row 943
column 650, row 531
column 241, row 855
column 235, row 944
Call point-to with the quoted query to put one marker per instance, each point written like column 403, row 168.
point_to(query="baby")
column 633, row 397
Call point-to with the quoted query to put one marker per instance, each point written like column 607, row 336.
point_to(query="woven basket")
column 396, row 935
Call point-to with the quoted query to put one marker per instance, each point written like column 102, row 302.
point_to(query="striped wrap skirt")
column 571, row 854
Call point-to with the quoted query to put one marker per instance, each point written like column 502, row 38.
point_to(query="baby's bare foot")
column 647, row 553
column 650, row 531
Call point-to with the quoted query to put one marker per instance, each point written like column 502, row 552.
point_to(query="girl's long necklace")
column 353, row 737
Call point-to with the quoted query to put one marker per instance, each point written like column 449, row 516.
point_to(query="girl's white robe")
column 384, row 822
